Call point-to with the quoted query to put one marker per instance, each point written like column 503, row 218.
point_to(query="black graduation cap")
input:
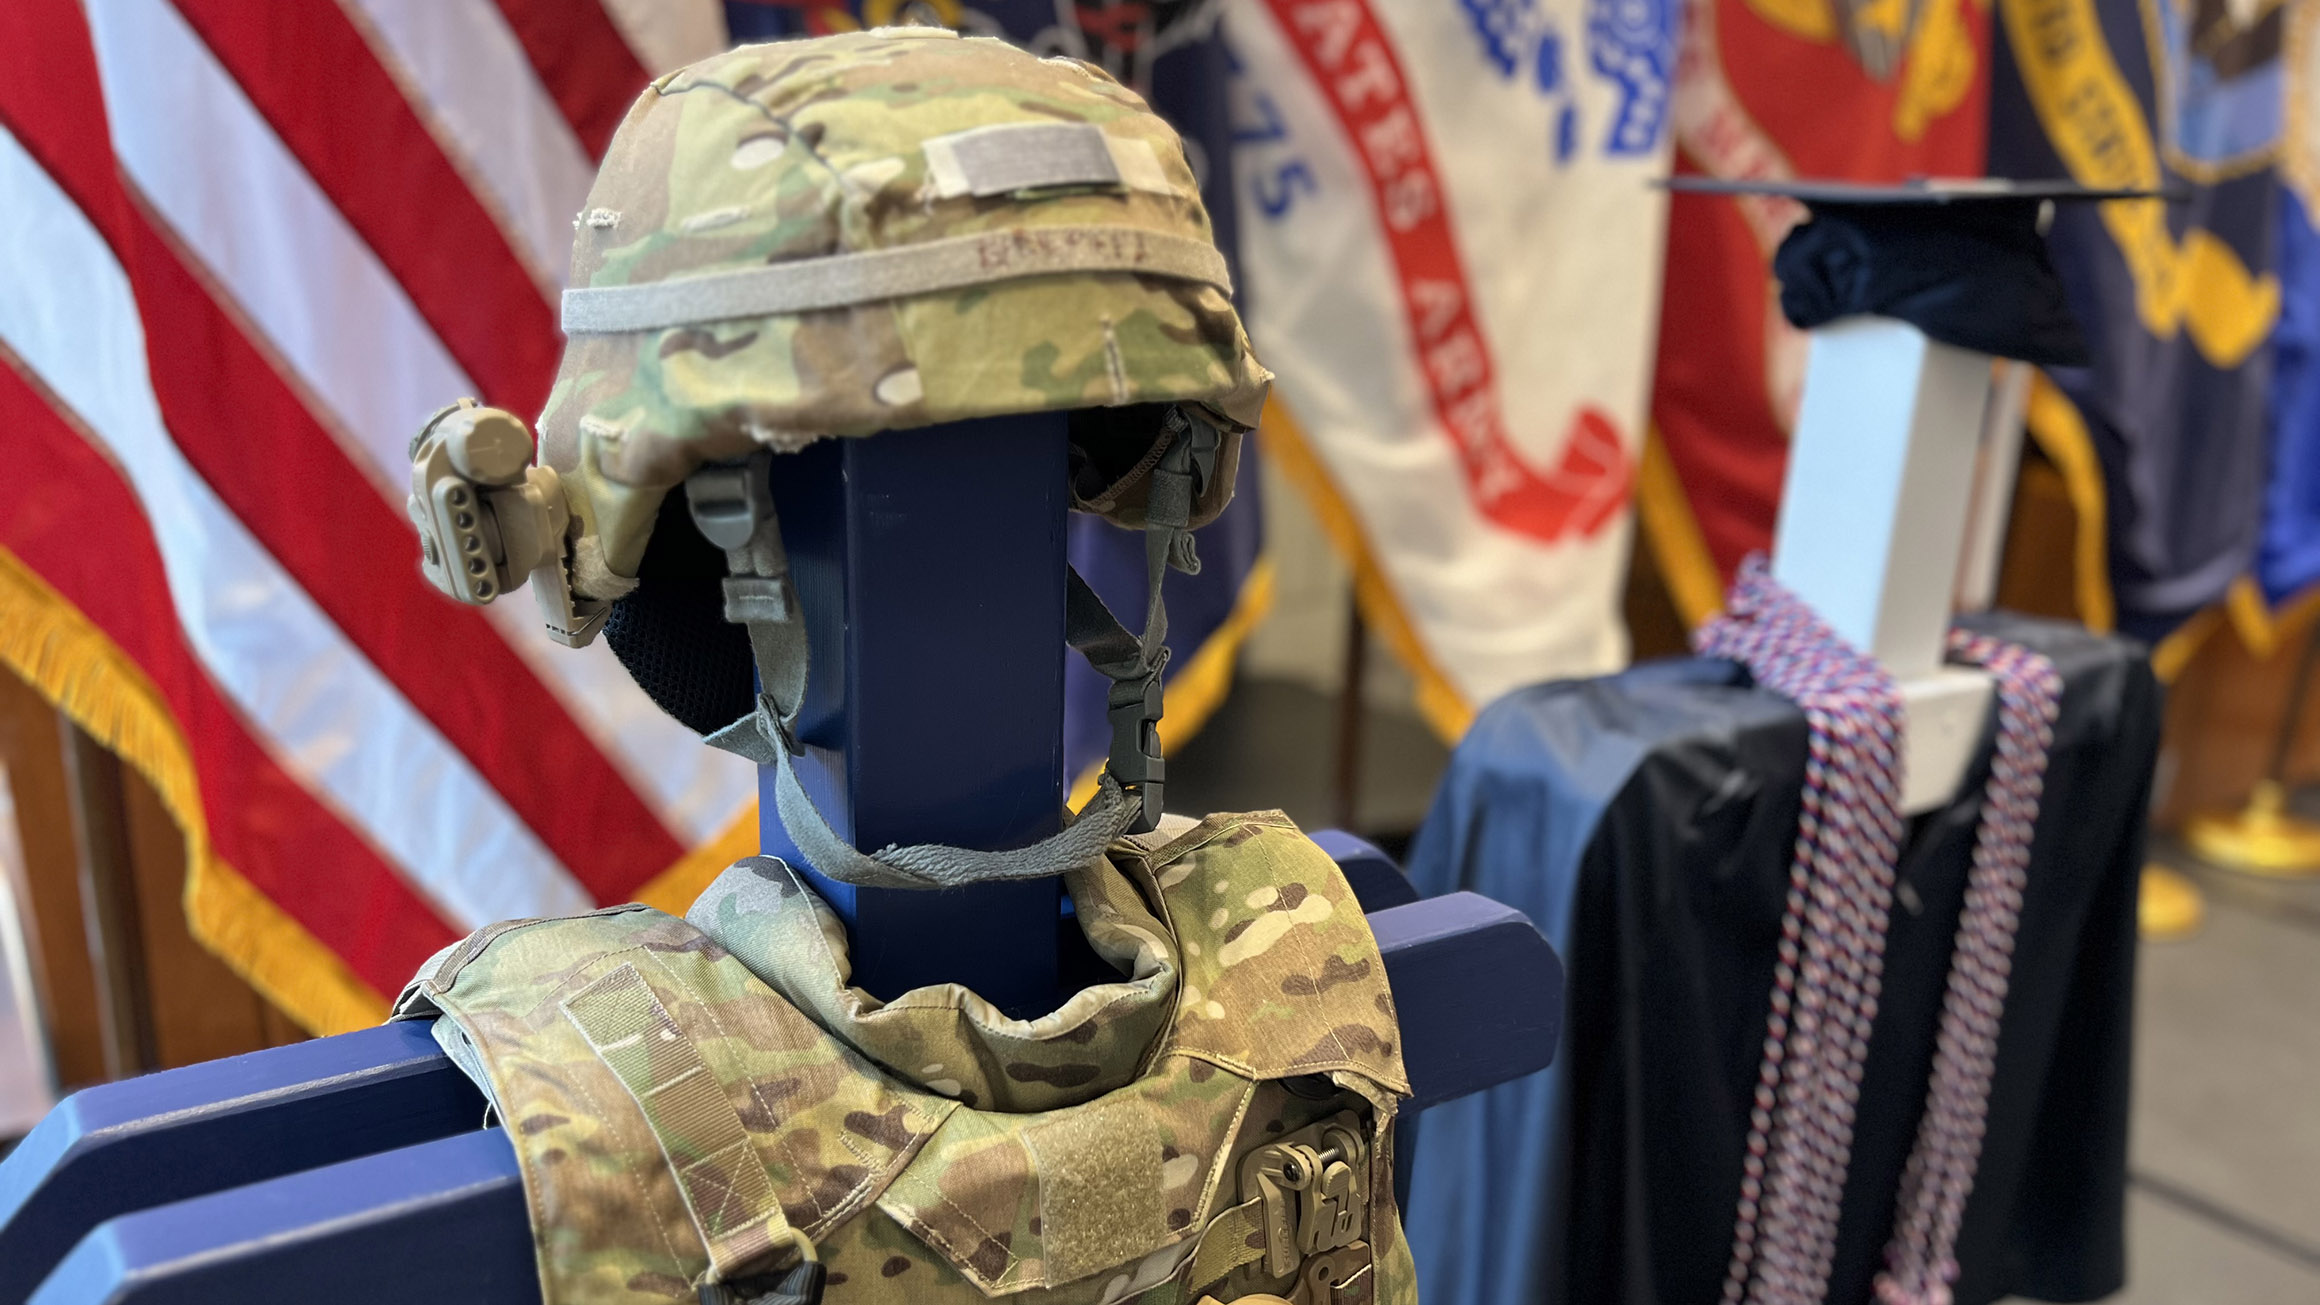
column 1962, row 260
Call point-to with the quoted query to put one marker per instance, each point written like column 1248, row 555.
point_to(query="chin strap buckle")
column 728, row 502
column 1135, row 759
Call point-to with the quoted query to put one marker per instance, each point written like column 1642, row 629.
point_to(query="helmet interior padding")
column 671, row 635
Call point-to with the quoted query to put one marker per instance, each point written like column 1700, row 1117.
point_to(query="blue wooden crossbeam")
column 444, row 1219
column 440, row 1222
column 1376, row 881
column 210, row 1127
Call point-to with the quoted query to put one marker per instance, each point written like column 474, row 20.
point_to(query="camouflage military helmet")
column 881, row 230
column 837, row 237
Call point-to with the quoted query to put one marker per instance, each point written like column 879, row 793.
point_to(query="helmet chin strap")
column 732, row 506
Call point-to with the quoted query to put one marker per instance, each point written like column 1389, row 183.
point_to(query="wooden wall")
column 157, row 999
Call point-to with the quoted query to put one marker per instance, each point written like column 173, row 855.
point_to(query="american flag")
column 245, row 249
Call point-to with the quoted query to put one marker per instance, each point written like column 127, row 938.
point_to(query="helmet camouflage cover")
column 880, row 230
column 836, row 237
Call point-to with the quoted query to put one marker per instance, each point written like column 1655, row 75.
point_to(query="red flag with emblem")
column 1854, row 90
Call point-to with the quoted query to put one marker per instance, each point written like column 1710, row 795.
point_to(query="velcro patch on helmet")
column 1007, row 157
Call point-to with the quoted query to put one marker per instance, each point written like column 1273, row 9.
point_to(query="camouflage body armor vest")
column 686, row 1097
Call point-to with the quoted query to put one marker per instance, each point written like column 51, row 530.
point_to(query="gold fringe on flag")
column 62, row 654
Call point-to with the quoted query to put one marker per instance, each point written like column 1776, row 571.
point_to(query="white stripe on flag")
column 1329, row 306
column 325, row 712
column 669, row 34
column 322, row 302
column 480, row 90
column 215, row 171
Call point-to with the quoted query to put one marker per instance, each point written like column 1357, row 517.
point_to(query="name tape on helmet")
column 1011, row 156
column 843, row 280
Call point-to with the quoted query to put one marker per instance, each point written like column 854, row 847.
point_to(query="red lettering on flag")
column 1345, row 50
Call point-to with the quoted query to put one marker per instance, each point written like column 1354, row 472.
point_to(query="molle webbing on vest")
column 726, row 1188
column 1005, row 1201
column 1233, row 1238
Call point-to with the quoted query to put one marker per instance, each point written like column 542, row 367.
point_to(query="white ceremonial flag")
column 1450, row 254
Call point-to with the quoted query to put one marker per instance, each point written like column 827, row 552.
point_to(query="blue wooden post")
column 930, row 567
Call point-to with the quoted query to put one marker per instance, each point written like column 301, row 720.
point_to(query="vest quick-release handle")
column 799, row 1284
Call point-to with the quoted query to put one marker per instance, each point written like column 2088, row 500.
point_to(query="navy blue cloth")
column 1973, row 274
column 2288, row 561
column 1647, row 822
column 1513, row 820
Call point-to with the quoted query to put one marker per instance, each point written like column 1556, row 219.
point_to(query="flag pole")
column 1353, row 670
column 100, row 824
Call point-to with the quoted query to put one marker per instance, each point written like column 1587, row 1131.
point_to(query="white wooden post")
column 1995, row 469
column 1873, row 517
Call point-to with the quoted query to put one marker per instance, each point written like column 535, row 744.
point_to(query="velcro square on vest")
column 1098, row 1169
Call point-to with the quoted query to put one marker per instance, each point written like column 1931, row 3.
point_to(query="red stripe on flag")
column 358, row 558
column 74, row 521
column 583, row 60
column 230, row 412
column 46, row 60
column 314, row 78
column 1352, row 63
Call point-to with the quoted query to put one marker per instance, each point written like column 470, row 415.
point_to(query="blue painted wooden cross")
column 930, row 568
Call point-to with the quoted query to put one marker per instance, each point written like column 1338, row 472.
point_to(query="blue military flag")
column 2288, row 560
column 2165, row 435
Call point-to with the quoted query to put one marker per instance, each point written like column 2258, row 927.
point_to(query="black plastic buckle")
column 727, row 502
column 1136, row 761
column 1193, row 446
